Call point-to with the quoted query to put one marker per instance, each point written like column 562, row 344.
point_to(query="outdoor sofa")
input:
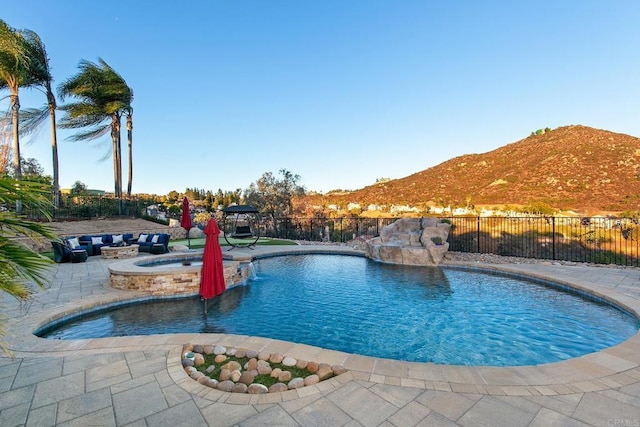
column 95, row 242
column 155, row 243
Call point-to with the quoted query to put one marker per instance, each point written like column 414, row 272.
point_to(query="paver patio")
column 140, row 381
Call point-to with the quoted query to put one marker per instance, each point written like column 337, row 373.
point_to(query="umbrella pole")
column 205, row 306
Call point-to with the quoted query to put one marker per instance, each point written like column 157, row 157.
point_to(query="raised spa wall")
column 129, row 275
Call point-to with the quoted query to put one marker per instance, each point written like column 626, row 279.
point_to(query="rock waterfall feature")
column 410, row 241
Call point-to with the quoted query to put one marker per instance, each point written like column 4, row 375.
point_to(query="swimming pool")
column 425, row 314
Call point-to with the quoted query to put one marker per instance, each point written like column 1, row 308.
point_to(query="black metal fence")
column 595, row 240
column 322, row 229
column 88, row 207
column 598, row 240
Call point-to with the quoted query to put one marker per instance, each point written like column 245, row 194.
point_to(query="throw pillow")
column 142, row 238
column 155, row 238
column 117, row 238
column 96, row 240
column 73, row 243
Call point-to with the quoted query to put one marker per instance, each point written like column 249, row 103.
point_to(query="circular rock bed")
column 238, row 370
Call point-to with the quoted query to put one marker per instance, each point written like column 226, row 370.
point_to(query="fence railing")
column 88, row 207
column 598, row 240
column 594, row 240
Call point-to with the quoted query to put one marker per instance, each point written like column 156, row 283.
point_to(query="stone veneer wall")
column 184, row 280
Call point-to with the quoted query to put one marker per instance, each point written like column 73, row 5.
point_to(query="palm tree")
column 19, row 265
column 102, row 97
column 41, row 77
column 130, row 149
column 14, row 65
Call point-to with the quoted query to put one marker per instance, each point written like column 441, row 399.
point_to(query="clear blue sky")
column 338, row 92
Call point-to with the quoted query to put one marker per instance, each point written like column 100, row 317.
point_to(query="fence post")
column 553, row 238
column 478, row 233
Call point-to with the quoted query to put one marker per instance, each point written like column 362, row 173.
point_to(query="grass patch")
column 266, row 380
column 263, row 241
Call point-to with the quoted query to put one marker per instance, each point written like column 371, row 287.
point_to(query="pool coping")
column 609, row 368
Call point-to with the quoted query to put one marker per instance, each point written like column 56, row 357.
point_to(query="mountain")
column 569, row 168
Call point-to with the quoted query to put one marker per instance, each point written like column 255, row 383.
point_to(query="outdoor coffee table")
column 119, row 252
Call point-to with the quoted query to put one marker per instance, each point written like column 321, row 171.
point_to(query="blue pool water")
column 425, row 314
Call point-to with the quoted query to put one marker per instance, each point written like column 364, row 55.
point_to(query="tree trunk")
column 15, row 124
column 54, row 149
column 117, row 166
column 130, row 151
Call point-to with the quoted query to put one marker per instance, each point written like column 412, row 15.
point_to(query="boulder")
column 410, row 241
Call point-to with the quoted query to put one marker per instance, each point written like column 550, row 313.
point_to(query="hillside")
column 571, row 167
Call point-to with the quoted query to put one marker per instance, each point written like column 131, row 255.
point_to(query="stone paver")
column 139, row 380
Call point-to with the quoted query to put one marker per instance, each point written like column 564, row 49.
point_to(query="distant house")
column 403, row 208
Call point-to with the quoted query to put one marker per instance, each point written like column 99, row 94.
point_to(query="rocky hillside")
column 572, row 167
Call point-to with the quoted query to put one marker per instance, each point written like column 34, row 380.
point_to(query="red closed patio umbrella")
column 212, row 273
column 185, row 219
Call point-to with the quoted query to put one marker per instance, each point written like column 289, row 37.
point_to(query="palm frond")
column 19, row 266
column 91, row 134
column 33, row 194
column 32, row 118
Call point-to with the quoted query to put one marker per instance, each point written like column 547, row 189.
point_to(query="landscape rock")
column 211, row 383
column 225, row 375
column 284, row 376
column 252, row 354
column 276, row 358
column 233, row 378
column 324, row 371
column 232, row 366
column 226, row 386
column 246, row 378
column 197, row 374
column 257, row 389
column 276, row 372
column 251, row 364
column 198, row 359
column 278, row 388
column 311, row 380
column 239, row 388
column 289, row 361
column 264, row 370
column 296, row 383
